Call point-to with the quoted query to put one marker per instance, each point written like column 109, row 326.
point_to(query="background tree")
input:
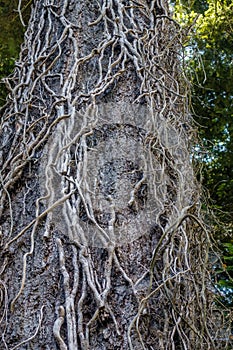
column 102, row 241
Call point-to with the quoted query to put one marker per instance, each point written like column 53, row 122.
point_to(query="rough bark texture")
column 102, row 246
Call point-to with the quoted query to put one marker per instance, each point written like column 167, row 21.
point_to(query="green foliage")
column 224, row 275
column 210, row 60
column 11, row 37
column 209, row 46
column 196, row 6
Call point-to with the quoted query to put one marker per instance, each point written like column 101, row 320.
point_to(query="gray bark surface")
column 102, row 244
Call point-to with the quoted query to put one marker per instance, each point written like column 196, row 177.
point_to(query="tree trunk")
column 102, row 246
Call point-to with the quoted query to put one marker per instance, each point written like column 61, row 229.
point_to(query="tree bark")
column 102, row 244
